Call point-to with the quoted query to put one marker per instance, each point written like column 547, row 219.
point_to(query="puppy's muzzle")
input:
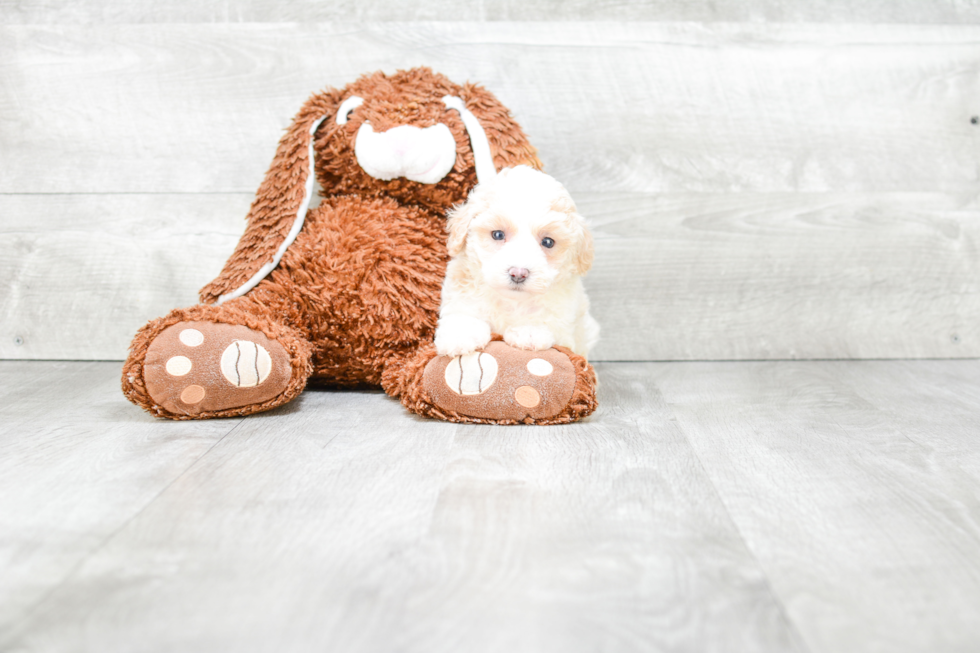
column 518, row 275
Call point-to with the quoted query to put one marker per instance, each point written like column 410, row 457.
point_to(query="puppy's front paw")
column 458, row 335
column 530, row 338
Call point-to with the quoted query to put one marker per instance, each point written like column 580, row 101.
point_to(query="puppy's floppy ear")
column 278, row 209
column 458, row 225
column 585, row 252
column 461, row 215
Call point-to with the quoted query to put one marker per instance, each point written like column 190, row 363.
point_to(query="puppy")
column 518, row 252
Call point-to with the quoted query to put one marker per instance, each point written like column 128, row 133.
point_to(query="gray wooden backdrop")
column 766, row 179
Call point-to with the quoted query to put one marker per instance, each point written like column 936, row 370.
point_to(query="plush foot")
column 196, row 367
column 505, row 385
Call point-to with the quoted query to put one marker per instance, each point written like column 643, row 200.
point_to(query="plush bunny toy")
column 347, row 294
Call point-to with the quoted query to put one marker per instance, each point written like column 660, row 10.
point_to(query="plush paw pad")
column 245, row 364
column 471, row 374
column 196, row 367
column 501, row 383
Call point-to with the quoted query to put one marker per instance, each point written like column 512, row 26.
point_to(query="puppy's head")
column 520, row 232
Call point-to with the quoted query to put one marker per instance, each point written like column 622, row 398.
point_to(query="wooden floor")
column 777, row 506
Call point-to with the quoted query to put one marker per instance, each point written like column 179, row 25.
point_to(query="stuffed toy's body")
column 347, row 294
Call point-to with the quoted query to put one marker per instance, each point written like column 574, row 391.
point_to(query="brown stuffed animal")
column 347, row 294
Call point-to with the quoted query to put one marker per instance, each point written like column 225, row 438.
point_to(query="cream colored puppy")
column 519, row 250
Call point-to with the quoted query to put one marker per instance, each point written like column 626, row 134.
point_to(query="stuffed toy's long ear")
column 508, row 142
column 280, row 205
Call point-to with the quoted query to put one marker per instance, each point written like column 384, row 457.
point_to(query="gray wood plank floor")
column 740, row 506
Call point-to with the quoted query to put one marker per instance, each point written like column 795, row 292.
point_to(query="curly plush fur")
column 354, row 299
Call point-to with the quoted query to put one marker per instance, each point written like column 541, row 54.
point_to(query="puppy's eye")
column 497, row 235
column 547, row 242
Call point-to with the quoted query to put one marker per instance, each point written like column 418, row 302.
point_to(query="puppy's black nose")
column 518, row 275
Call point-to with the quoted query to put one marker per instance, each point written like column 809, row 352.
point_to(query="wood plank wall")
column 766, row 179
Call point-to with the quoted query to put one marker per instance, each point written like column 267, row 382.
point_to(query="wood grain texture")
column 818, row 11
column 341, row 522
column 589, row 537
column 944, row 420
column 677, row 277
column 297, row 536
column 777, row 276
column 81, row 273
column 613, row 106
column 759, row 192
column 866, row 524
column 77, row 463
column 825, row 507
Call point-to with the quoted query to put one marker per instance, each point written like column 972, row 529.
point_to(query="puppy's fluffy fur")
column 519, row 250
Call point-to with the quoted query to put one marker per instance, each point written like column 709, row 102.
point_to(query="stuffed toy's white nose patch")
column 422, row 155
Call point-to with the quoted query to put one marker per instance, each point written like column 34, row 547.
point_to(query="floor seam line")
column 794, row 629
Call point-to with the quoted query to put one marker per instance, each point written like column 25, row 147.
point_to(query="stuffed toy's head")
column 414, row 136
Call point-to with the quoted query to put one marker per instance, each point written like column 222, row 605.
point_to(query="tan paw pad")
column 192, row 394
column 527, row 396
